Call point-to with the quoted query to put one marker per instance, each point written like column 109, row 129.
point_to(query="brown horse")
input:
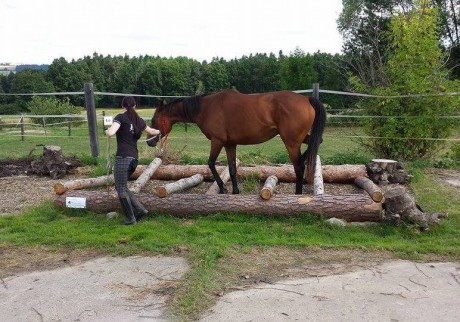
column 229, row 118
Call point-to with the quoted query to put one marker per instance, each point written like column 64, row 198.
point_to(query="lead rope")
column 108, row 164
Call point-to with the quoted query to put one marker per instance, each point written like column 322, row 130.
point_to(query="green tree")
column 215, row 76
column 29, row 81
column 415, row 66
column 297, row 71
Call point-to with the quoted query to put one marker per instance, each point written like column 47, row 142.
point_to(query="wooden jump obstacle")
column 350, row 207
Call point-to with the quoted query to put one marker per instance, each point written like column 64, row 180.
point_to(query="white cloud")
column 40, row 31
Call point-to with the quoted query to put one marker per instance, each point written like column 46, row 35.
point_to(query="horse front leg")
column 215, row 150
column 231, row 160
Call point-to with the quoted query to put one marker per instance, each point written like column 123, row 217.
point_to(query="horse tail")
column 316, row 137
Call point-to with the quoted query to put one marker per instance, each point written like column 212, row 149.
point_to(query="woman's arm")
column 112, row 129
column 151, row 131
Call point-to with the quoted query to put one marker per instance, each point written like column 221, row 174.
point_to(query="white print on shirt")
column 131, row 129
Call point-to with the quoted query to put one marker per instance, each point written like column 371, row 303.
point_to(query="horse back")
column 236, row 118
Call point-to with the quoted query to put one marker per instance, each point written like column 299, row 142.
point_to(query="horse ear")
column 163, row 102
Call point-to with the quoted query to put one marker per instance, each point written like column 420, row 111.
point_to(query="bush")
column 51, row 106
column 9, row 109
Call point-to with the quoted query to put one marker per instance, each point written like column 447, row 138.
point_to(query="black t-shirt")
column 126, row 140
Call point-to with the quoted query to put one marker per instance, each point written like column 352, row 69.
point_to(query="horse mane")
column 191, row 107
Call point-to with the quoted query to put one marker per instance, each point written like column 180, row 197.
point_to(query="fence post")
column 21, row 124
column 315, row 92
column 92, row 120
column 69, row 125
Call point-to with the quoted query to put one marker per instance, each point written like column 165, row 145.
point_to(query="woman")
column 128, row 127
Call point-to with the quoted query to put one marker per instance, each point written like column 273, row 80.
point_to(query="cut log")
column 179, row 185
column 345, row 173
column 351, row 207
column 61, row 187
column 318, row 184
column 269, row 187
column 146, row 175
column 225, row 176
column 171, row 172
column 285, row 173
column 370, row 187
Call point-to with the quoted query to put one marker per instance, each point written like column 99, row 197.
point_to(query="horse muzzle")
column 152, row 141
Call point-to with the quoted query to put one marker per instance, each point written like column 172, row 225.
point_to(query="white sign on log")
column 75, row 202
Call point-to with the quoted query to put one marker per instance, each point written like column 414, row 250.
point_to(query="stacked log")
column 285, row 173
column 351, row 207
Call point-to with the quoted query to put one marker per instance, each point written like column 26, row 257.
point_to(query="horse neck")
column 181, row 112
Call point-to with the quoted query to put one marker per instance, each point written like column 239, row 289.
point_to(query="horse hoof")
column 236, row 192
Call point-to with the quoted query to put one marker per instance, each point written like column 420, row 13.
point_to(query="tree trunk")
column 179, row 185
column 371, row 188
column 146, row 175
column 352, row 207
column 269, row 187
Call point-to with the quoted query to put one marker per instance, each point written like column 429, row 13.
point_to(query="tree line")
column 178, row 76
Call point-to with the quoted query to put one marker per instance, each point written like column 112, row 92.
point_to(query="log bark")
column 269, row 187
column 171, row 172
column 370, row 187
column 318, row 184
column 225, row 176
column 146, row 175
column 285, row 173
column 345, row 173
column 61, row 187
column 352, row 207
column 180, row 185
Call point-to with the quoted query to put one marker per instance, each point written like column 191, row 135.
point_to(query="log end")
column 265, row 193
column 161, row 192
column 377, row 196
column 59, row 188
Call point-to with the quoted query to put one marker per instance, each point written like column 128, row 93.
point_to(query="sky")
column 39, row 31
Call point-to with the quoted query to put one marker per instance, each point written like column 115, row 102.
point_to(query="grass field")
column 211, row 244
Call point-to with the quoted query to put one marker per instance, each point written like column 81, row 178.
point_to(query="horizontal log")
column 351, row 207
column 171, row 172
column 346, row 173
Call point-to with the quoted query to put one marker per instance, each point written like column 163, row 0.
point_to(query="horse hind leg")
column 215, row 150
column 231, row 160
column 299, row 167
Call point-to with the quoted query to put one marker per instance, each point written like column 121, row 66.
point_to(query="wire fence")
column 29, row 125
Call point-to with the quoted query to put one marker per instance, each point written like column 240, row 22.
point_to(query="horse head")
column 160, row 121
